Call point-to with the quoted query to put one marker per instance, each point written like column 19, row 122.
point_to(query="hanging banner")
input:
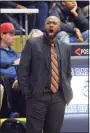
column 80, row 50
column 80, row 85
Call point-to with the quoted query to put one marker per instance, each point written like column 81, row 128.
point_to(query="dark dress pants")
column 45, row 114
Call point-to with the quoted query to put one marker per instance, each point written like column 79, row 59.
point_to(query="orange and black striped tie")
column 54, row 70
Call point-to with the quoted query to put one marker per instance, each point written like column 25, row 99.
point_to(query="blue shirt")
column 7, row 57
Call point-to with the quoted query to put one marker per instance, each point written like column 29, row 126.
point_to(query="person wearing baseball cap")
column 7, row 27
column 7, row 55
column 7, row 30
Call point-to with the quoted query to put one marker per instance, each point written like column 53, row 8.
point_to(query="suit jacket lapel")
column 59, row 49
column 46, row 52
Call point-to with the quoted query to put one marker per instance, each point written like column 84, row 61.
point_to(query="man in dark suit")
column 44, row 77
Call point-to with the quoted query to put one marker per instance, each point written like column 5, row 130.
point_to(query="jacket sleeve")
column 81, row 22
column 18, row 55
column 64, row 27
column 3, row 61
column 67, row 27
column 24, row 69
column 6, row 67
column 10, row 72
column 12, row 4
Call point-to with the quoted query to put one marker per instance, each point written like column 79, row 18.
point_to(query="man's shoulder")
column 35, row 39
column 66, row 46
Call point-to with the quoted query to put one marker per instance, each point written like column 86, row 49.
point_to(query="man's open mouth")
column 51, row 32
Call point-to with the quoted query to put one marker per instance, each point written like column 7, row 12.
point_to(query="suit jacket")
column 34, row 69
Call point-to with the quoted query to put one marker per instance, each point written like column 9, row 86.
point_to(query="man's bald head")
column 52, row 26
column 53, row 18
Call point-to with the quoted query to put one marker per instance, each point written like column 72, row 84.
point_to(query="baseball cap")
column 7, row 27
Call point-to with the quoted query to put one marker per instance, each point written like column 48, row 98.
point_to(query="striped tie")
column 54, row 70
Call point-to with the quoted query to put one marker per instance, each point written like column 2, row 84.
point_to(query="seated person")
column 72, row 20
column 7, row 55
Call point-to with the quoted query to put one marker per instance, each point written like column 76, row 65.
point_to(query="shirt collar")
column 9, row 48
column 47, row 42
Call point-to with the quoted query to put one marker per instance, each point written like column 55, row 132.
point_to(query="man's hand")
column 15, row 84
column 17, row 61
column 79, row 35
column 74, row 11
column 20, row 7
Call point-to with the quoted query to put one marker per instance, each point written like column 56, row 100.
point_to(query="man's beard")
column 51, row 36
